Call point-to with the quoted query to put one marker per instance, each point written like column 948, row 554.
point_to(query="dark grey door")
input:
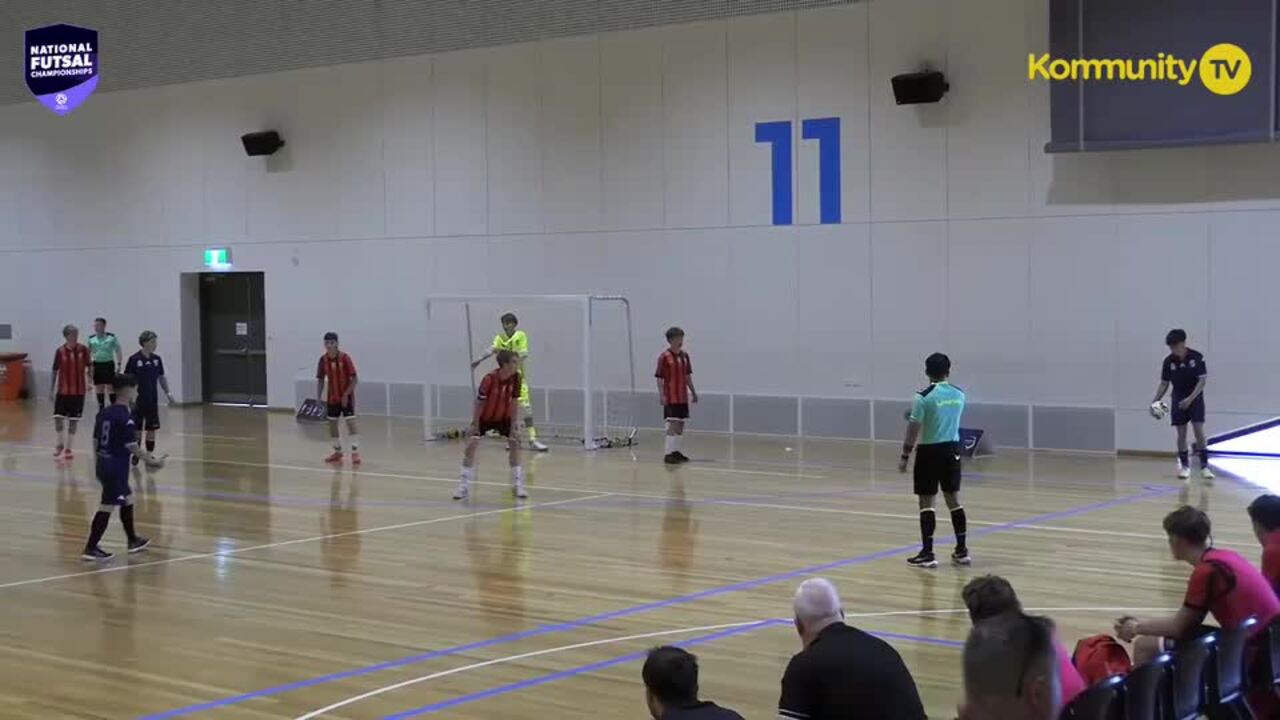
column 234, row 338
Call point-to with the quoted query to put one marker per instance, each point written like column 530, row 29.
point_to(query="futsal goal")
column 580, row 368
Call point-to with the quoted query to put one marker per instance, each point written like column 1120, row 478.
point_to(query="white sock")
column 467, row 474
column 355, row 442
column 62, row 438
column 670, row 445
column 517, row 474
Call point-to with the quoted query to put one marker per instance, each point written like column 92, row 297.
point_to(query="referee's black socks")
column 961, row 525
column 928, row 523
column 102, row 399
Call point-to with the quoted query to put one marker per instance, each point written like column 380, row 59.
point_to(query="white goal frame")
column 586, row 305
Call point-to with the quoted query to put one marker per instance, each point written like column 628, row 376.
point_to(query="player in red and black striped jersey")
column 337, row 371
column 70, row 384
column 675, row 392
column 495, row 412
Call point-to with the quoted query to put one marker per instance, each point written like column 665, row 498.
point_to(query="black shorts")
column 68, row 406
column 340, row 410
column 113, row 476
column 1193, row 414
column 678, row 411
column 502, row 427
column 146, row 414
column 104, row 373
column 937, row 466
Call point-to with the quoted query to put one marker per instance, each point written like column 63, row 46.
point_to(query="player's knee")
column 952, row 500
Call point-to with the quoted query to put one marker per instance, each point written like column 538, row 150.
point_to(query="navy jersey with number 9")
column 115, row 432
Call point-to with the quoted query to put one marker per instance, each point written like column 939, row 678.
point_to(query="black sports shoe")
column 96, row 554
column 139, row 544
column 681, row 456
column 133, row 460
column 961, row 557
column 671, row 459
column 923, row 559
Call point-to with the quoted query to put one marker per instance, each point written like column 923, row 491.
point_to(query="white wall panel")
column 763, row 290
column 762, row 88
column 1242, row 299
column 571, row 134
column 408, row 154
column 514, row 155
column 695, row 132
column 358, row 172
column 833, row 310
column 909, row 303
column 632, row 109
column 461, row 173
column 832, row 80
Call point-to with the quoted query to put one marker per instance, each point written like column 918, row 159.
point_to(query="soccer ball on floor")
column 1159, row 409
column 157, row 461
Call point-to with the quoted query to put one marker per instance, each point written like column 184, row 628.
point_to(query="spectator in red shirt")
column 991, row 596
column 495, row 413
column 1265, row 513
column 675, row 392
column 337, row 371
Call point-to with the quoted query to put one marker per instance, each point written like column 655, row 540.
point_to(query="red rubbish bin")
column 12, row 375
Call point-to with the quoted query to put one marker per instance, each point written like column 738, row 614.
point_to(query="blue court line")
column 645, row 607
column 592, row 667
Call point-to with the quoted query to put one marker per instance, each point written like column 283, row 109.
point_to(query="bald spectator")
column 1011, row 670
column 842, row 673
column 671, row 688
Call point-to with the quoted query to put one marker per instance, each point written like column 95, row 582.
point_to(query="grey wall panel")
column 564, row 407
column 1073, row 428
column 371, row 398
column 1005, row 425
column 456, row 402
column 836, row 418
column 889, row 419
column 765, row 414
column 164, row 42
column 303, row 389
column 406, row 400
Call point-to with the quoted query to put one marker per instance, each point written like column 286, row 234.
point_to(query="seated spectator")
column 1011, row 670
column 671, row 688
column 1265, row 513
column 842, row 673
column 989, row 596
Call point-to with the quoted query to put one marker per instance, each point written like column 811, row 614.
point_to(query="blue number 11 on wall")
column 827, row 132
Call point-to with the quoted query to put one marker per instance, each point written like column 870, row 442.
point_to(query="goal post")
column 580, row 370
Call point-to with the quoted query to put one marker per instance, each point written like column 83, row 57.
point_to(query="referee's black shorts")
column 937, row 466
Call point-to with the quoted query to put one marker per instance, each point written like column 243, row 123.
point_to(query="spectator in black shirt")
column 671, row 688
column 1011, row 670
column 843, row 673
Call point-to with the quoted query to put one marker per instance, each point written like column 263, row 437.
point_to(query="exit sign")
column 217, row 258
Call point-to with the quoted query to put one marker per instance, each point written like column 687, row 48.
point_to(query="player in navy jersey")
column 148, row 369
column 1185, row 371
column 116, row 440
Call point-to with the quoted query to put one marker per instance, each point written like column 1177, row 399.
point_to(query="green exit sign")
column 217, row 258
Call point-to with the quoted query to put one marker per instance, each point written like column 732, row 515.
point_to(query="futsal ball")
column 1159, row 409
column 157, row 461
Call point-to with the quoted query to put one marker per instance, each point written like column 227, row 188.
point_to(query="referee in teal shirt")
column 934, row 420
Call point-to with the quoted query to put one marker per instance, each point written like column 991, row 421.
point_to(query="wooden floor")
column 280, row 588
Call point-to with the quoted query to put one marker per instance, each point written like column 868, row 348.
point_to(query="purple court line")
column 592, row 667
column 643, row 608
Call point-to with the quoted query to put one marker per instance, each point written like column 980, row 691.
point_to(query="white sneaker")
column 518, row 490
column 462, row 492
column 1184, row 473
column 1207, row 474
column 538, row 446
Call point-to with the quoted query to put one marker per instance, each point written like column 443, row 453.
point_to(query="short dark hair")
column 122, row 381
column 1265, row 510
column 674, row 332
column 101, row 320
column 937, row 366
column 1175, row 336
column 146, row 337
column 989, row 596
column 504, row 357
column 68, row 329
column 331, row 336
column 671, row 675
column 510, row 318
column 1188, row 523
column 1002, row 651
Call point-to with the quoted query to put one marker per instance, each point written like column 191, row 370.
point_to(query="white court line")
column 661, row 633
column 230, row 438
column 770, row 473
column 299, row 541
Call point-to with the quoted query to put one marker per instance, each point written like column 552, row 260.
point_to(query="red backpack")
column 1099, row 657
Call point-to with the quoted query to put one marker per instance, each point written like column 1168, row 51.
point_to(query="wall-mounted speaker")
column 262, row 143
column 919, row 87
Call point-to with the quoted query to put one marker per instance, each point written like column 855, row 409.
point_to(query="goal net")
column 580, row 367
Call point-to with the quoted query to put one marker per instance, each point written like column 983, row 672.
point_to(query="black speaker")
column 919, row 87
column 262, row 143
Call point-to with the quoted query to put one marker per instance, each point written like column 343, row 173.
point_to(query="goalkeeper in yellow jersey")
column 516, row 341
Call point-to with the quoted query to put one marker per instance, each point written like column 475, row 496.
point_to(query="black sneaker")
column 681, row 456
column 133, row 460
column 961, row 557
column 671, row 459
column 139, row 544
column 923, row 559
column 96, row 554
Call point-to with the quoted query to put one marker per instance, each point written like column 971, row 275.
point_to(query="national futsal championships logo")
column 60, row 63
column 1223, row 69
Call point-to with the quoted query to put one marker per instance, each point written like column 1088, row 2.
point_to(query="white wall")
column 626, row 163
